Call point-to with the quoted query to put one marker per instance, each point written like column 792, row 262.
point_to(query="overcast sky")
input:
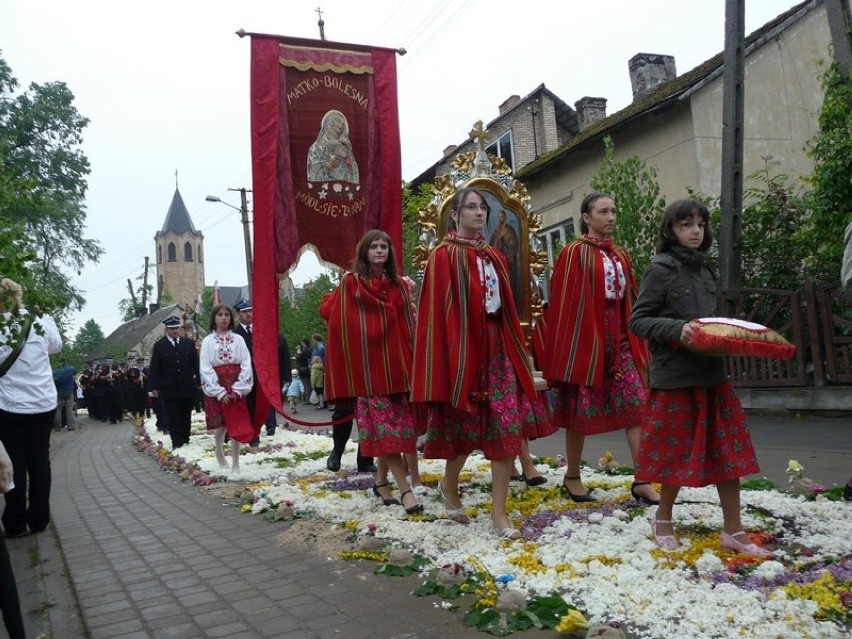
column 165, row 85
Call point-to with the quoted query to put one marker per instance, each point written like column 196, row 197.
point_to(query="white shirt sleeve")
column 209, row 380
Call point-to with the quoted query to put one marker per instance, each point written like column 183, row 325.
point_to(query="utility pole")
column 243, row 209
column 246, row 234
column 145, row 288
column 733, row 106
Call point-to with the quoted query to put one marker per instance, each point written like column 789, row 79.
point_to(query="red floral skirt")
column 233, row 416
column 387, row 424
column 695, row 436
column 495, row 426
column 618, row 404
column 539, row 421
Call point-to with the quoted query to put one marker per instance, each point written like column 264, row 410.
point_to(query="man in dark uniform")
column 111, row 378
column 174, row 377
column 244, row 328
column 135, row 395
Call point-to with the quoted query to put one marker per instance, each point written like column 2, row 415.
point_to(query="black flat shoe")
column 387, row 502
column 574, row 497
column 538, row 480
column 412, row 510
column 641, row 498
column 847, row 492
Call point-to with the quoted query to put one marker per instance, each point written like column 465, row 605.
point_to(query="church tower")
column 180, row 257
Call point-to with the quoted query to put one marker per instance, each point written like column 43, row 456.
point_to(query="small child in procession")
column 695, row 433
column 318, row 380
column 294, row 390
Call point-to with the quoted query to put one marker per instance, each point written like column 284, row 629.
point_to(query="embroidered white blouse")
column 219, row 349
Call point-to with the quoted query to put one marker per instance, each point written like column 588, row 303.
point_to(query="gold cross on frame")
column 480, row 134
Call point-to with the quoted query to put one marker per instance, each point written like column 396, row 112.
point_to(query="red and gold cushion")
column 724, row 336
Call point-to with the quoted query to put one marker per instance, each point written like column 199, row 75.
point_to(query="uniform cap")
column 243, row 305
column 172, row 322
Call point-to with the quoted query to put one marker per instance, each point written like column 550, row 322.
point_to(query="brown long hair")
column 361, row 263
column 216, row 310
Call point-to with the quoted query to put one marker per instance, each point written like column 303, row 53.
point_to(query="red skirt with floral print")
column 695, row 436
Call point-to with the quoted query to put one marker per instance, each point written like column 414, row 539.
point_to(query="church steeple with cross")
column 180, row 256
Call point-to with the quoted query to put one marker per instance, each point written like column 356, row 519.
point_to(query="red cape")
column 368, row 351
column 450, row 325
column 574, row 322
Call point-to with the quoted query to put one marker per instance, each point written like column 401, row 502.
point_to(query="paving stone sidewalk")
column 149, row 556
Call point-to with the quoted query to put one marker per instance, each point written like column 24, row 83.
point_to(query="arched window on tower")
column 187, row 252
column 159, row 253
column 200, row 254
column 172, row 252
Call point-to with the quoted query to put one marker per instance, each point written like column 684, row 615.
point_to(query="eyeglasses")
column 473, row 207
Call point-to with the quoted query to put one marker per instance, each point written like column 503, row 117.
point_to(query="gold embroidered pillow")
column 723, row 336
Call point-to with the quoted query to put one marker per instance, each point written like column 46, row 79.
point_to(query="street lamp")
column 243, row 209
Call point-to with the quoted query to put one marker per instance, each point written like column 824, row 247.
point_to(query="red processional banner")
column 325, row 162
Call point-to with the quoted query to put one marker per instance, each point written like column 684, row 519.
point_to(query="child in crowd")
column 294, row 390
column 695, row 431
column 317, row 380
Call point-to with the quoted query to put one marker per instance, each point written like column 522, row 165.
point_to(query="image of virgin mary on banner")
column 325, row 163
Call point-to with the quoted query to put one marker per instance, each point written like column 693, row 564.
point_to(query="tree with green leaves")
column 411, row 204
column 300, row 319
column 42, row 192
column 637, row 196
column 88, row 338
column 830, row 200
column 773, row 214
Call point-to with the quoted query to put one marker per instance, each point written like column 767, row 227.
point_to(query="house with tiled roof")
column 674, row 123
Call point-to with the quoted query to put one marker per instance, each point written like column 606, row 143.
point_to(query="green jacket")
column 678, row 286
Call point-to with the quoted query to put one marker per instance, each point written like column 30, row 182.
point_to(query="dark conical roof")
column 177, row 219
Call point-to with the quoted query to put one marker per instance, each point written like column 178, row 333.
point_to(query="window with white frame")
column 502, row 148
column 556, row 237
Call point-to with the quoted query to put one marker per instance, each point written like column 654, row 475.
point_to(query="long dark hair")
column 361, row 263
column 676, row 212
column 586, row 207
column 216, row 310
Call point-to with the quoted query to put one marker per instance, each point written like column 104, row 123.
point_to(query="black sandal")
column 387, row 502
column 576, row 498
column 416, row 508
column 641, row 498
column 538, row 480
column 847, row 493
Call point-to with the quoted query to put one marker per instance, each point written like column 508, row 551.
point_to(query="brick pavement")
column 149, row 556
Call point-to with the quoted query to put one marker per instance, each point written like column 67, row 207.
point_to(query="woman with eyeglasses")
column 595, row 364
column 471, row 367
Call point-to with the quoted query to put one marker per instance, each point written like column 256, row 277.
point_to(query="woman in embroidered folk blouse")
column 470, row 363
column 226, row 379
column 594, row 362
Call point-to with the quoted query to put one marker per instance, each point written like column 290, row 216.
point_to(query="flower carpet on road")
column 599, row 556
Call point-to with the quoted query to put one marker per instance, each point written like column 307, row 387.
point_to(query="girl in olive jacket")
column 696, row 432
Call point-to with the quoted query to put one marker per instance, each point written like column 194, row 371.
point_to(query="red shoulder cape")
column 574, row 321
column 450, row 324
column 368, row 351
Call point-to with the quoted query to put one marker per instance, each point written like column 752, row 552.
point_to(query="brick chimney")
column 649, row 71
column 511, row 102
column 590, row 110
